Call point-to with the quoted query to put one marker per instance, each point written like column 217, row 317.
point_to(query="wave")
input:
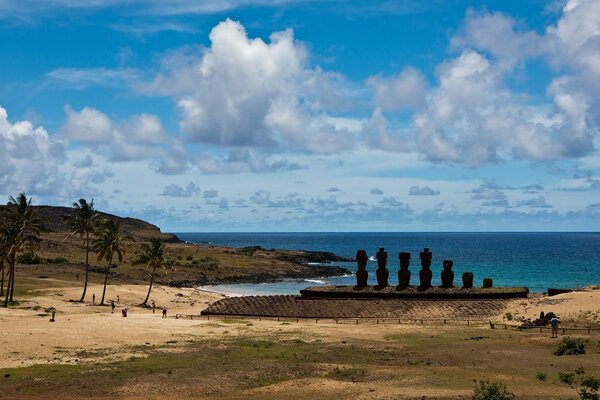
column 319, row 281
column 372, row 258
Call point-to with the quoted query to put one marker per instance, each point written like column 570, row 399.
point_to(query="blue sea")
column 536, row 260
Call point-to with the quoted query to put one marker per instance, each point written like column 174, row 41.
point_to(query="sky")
column 300, row 115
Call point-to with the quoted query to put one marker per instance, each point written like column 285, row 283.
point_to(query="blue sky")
column 291, row 115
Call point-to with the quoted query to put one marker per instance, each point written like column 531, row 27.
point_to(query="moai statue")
column 404, row 273
column 382, row 272
column 448, row 274
column 361, row 273
column 425, row 272
column 467, row 278
column 487, row 282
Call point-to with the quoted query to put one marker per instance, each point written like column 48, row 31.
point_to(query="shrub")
column 586, row 386
column 541, row 376
column 29, row 258
column 569, row 346
column 508, row 316
column 486, row 390
column 189, row 258
column 58, row 260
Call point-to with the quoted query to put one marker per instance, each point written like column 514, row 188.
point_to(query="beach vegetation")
column 108, row 243
column 154, row 256
column 83, row 222
column 487, row 390
column 586, row 386
column 570, row 346
column 29, row 258
column 20, row 227
column 541, row 376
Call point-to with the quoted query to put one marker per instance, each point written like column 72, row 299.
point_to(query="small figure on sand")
column 77, row 276
column 118, row 299
column 93, row 298
column 554, row 324
column 52, row 318
column 153, row 306
column 164, row 312
column 112, row 307
column 124, row 311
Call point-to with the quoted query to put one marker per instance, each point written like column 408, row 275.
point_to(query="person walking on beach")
column 164, row 312
column 93, row 298
column 554, row 324
column 153, row 306
column 112, row 307
column 118, row 299
column 52, row 319
column 124, row 311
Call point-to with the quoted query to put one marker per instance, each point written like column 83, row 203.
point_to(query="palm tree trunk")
column 106, row 279
column 150, row 288
column 2, row 277
column 12, row 277
column 87, row 266
column 8, row 284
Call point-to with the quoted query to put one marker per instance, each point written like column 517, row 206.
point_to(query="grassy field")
column 244, row 362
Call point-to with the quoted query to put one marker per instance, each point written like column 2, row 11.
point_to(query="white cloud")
column 139, row 137
column 174, row 190
column 78, row 78
column 422, row 191
column 246, row 92
column 406, row 90
column 376, row 191
column 30, row 158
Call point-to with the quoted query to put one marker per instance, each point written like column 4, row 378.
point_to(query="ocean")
column 536, row 260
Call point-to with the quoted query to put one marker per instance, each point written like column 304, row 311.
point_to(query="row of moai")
column 404, row 274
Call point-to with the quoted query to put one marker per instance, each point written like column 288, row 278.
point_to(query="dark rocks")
column 404, row 273
column 361, row 272
column 382, row 272
column 425, row 273
column 467, row 278
column 447, row 274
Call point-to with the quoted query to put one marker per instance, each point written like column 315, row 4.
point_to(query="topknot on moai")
column 425, row 274
column 382, row 272
column 361, row 273
column 403, row 272
column 448, row 274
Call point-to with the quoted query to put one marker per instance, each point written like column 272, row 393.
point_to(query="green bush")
column 569, row 346
column 58, row 260
column 586, row 386
column 486, row 390
column 541, row 376
column 29, row 258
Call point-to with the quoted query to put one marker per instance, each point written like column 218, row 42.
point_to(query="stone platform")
column 405, row 309
column 412, row 292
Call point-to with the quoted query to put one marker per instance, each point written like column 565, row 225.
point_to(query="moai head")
column 425, row 256
column 381, row 258
column 361, row 259
column 404, row 260
column 448, row 265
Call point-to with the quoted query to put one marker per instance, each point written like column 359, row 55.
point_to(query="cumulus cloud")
column 31, row 158
column 210, row 194
column 377, row 191
column 174, row 190
column 243, row 161
column 139, row 137
column 407, row 90
column 246, row 92
column 422, row 191
column 260, row 197
column 538, row 202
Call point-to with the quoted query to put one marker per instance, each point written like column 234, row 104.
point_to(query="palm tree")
column 154, row 256
column 108, row 242
column 83, row 222
column 21, row 227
